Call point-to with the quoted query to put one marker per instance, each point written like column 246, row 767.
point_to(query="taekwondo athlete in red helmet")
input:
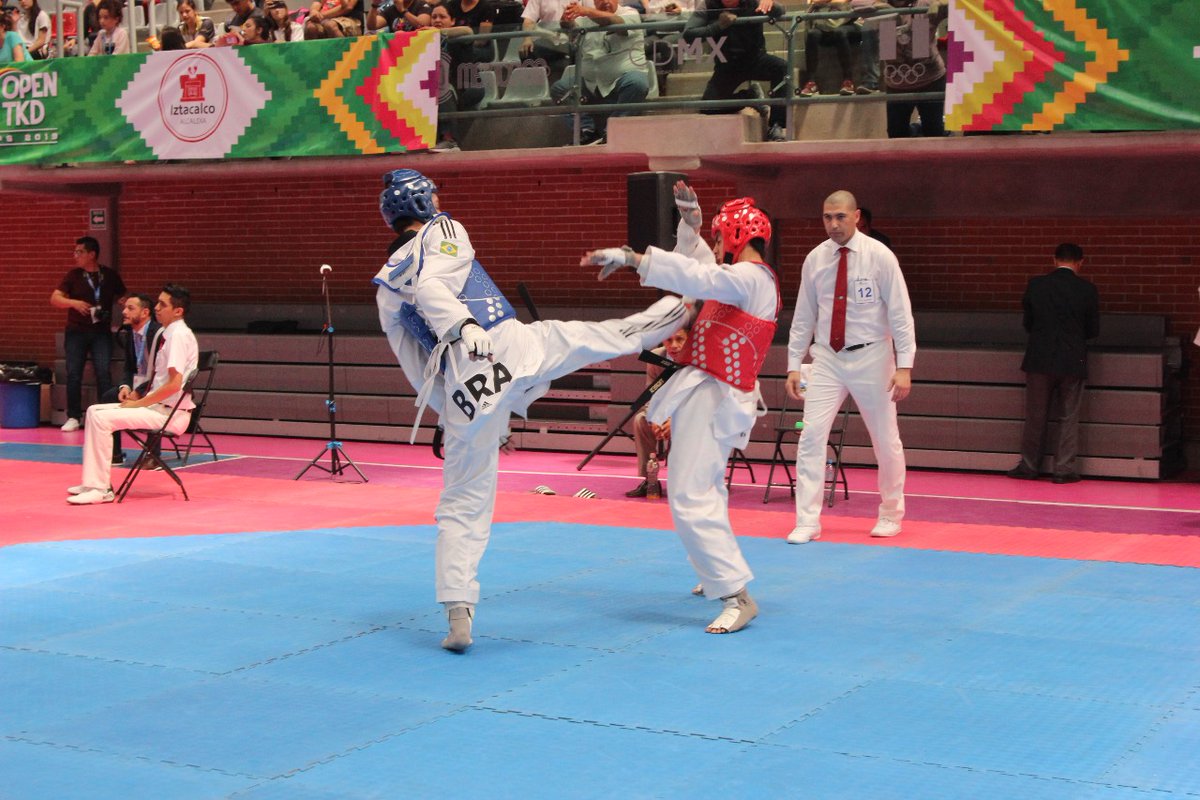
column 461, row 345
column 714, row 400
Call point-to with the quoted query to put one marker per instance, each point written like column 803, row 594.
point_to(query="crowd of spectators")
column 617, row 67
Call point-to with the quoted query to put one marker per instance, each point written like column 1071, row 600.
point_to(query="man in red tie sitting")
column 854, row 317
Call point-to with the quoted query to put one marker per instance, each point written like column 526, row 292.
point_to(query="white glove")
column 477, row 342
column 610, row 258
column 688, row 205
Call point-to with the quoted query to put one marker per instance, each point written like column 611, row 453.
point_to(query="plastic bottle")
column 653, row 487
column 830, row 472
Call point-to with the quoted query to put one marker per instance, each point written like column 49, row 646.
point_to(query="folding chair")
column 150, row 441
column 207, row 364
column 786, row 427
column 737, row 460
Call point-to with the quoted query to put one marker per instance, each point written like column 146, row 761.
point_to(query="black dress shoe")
column 1022, row 473
column 639, row 491
column 1070, row 477
column 118, row 459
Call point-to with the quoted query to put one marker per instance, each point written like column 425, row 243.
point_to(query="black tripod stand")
column 338, row 460
column 669, row 369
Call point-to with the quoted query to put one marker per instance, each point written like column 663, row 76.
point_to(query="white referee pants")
column 103, row 419
column 698, row 497
column 864, row 375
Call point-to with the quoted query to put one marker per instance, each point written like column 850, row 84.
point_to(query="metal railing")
column 572, row 103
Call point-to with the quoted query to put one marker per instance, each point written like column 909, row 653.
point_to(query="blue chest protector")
column 485, row 302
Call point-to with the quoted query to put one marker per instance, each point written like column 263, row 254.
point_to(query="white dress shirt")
column 877, row 304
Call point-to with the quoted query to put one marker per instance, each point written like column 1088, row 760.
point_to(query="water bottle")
column 653, row 487
column 830, row 472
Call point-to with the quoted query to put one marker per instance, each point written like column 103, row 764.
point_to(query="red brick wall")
column 261, row 240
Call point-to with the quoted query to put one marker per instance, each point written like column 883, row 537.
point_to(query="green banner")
column 371, row 94
column 1039, row 65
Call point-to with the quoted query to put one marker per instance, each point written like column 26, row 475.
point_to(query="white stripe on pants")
column 698, row 497
column 105, row 418
column 864, row 374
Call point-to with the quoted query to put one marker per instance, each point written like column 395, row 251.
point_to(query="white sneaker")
column 885, row 527
column 803, row 534
column 70, row 426
column 91, row 497
column 80, row 489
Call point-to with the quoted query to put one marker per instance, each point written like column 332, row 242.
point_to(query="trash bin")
column 20, row 395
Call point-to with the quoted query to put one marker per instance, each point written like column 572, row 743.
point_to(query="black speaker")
column 652, row 213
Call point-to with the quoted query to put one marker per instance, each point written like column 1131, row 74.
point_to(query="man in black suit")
column 1062, row 311
column 138, row 335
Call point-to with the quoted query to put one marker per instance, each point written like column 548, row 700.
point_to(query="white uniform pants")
column 698, row 497
column 105, row 418
column 468, row 499
column 864, row 374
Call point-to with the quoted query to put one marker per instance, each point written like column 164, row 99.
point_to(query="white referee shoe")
column 803, row 534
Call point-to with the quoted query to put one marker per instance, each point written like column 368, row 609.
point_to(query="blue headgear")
column 406, row 193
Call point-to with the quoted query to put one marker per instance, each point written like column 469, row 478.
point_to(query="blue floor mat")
column 307, row 666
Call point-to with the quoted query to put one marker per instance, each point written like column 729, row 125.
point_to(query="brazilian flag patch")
column 448, row 248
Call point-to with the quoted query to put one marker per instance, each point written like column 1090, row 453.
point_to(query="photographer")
column 88, row 294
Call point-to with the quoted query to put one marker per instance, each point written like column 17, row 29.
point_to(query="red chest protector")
column 730, row 344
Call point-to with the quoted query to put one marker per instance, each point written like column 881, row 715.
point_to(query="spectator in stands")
column 171, row 365
column 112, row 39
column 838, row 32
column 332, row 19
column 91, row 23
column 745, row 53
column 170, row 38
column 405, row 15
column 917, row 67
column 283, row 27
column 242, row 9
column 647, row 435
column 550, row 45
column 452, row 98
column 864, row 225
column 480, row 17
column 256, row 29
column 662, row 46
column 87, row 293
column 34, row 26
column 138, row 340
column 613, row 66
column 198, row 32
column 864, row 348
column 1061, row 312
column 12, row 48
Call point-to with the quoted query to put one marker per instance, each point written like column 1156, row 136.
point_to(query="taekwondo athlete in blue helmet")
column 474, row 363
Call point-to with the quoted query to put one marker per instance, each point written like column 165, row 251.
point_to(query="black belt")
column 854, row 347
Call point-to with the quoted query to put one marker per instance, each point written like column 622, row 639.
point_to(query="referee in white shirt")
column 859, row 329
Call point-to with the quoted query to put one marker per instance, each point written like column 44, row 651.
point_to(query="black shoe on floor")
column 118, row 458
column 640, row 491
column 1070, row 477
column 1022, row 473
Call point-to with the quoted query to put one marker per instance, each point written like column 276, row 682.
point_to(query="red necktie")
column 837, row 325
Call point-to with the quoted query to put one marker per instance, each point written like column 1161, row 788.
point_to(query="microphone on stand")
column 326, row 269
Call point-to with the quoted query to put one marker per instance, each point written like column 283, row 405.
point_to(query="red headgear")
column 738, row 222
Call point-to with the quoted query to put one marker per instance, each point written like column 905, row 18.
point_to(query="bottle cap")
column 799, row 424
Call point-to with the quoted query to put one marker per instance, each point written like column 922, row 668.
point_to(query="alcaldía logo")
column 195, row 105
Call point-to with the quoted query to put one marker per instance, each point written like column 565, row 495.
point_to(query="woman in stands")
column 197, row 31
column 34, row 27
column 283, row 27
column 256, row 30
column 12, row 48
